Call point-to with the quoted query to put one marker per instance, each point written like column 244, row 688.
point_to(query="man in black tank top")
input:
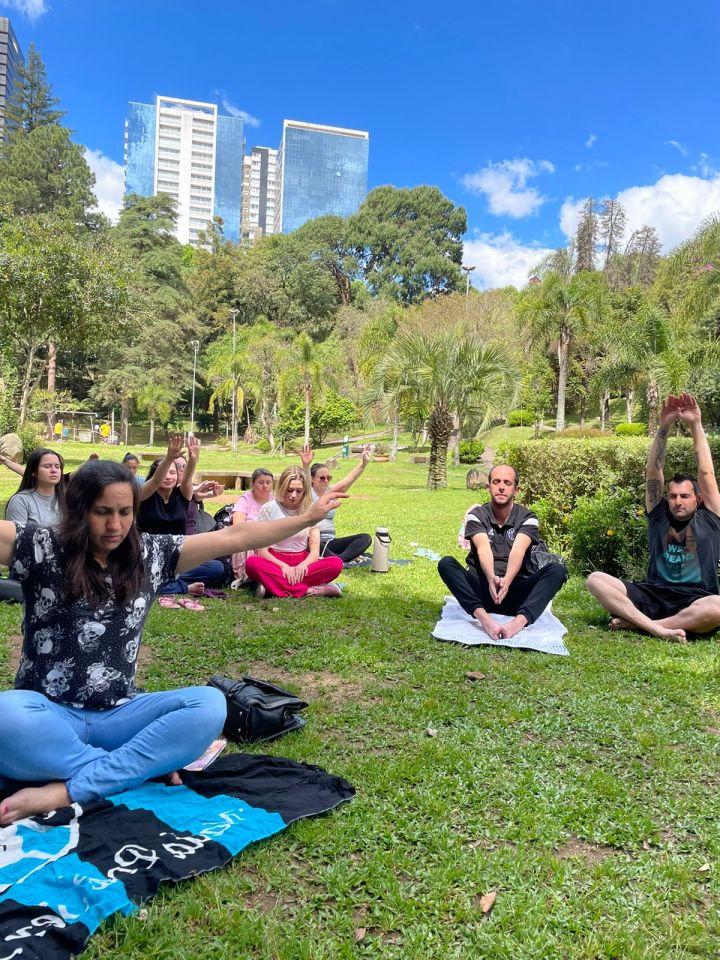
column 680, row 594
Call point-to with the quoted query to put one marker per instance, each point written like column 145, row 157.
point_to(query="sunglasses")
column 324, row 477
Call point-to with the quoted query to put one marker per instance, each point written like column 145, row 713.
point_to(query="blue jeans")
column 101, row 752
column 212, row 574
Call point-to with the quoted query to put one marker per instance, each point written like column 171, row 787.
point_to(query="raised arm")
column 252, row 536
column 150, row 486
column 11, row 465
column 342, row 486
column 689, row 411
column 654, row 476
column 186, row 487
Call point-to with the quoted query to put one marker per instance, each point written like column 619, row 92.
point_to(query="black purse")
column 539, row 556
column 257, row 710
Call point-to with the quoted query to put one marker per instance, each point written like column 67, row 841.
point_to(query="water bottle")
column 381, row 550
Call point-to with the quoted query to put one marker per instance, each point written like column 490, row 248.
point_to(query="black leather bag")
column 257, row 710
column 540, row 556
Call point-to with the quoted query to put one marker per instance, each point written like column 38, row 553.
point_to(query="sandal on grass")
column 168, row 602
column 190, row 604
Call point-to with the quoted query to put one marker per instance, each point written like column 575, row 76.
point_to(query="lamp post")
column 467, row 271
column 234, row 384
column 195, row 344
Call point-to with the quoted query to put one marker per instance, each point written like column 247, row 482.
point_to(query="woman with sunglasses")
column 293, row 567
column 347, row 548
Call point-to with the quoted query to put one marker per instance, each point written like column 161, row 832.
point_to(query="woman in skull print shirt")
column 75, row 727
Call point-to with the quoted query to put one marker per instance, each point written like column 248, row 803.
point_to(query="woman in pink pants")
column 292, row 567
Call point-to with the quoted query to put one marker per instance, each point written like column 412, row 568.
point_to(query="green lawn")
column 584, row 791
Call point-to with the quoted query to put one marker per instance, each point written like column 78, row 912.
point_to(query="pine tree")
column 586, row 238
column 31, row 104
column 612, row 229
column 642, row 256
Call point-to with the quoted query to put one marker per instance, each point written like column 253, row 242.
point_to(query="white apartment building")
column 259, row 193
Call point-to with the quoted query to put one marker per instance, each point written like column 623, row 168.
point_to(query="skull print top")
column 72, row 652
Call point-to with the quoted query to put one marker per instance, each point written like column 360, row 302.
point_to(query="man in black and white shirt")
column 496, row 579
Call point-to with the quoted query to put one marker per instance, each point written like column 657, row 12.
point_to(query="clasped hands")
column 682, row 407
column 296, row 574
column 499, row 587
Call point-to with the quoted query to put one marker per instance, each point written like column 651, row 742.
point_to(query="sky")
column 516, row 110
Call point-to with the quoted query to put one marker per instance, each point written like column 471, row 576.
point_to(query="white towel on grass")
column 545, row 635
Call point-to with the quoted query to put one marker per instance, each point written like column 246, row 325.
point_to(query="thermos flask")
column 381, row 550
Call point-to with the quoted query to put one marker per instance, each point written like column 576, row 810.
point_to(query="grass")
column 584, row 791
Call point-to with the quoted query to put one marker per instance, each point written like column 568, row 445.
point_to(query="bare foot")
column 196, row 589
column 491, row 628
column 617, row 623
column 517, row 624
column 34, row 800
column 174, row 779
column 666, row 633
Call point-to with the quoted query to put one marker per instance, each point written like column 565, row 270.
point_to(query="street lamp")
column 234, row 314
column 467, row 271
column 195, row 344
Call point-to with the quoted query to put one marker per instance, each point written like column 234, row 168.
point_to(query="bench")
column 235, row 480
column 419, row 458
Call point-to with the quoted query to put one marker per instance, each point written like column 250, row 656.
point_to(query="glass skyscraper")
column 11, row 59
column 186, row 149
column 321, row 170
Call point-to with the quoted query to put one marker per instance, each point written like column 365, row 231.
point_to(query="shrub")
column 579, row 433
column 263, row 445
column 330, row 413
column 30, row 437
column 608, row 532
column 471, row 451
column 294, row 445
column 631, row 430
column 520, row 418
column 382, row 450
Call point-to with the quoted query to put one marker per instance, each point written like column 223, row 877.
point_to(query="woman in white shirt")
column 292, row 567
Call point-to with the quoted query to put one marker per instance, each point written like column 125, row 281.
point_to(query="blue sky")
column 516, row 110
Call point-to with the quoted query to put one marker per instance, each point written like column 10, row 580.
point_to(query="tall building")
column 187, row 149
column 259, row 192
column 11, row 59
column 321, row 170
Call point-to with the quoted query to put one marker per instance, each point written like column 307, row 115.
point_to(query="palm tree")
column 157, row 400
column 558, row 312
column 449, row 370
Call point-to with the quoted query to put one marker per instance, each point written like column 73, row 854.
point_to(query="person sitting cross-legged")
column 680, row 594
column 496, row 579
column 292, row 567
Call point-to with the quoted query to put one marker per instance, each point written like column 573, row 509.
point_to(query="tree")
column 642, row 257
column 557, row 313
column 157, row 399
column 449, row 370
column 586, row 238
column 333, row 414
column 32, row 104
column 56, row 285
column 408, row 243
column 324, row 241
column 612, row 230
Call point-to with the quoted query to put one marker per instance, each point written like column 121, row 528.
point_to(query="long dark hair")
column 85, row 579
column 29, row 478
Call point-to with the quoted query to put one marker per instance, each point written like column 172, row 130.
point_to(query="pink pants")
column 271, row 576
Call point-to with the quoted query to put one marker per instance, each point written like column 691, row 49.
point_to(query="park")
column 496, row 289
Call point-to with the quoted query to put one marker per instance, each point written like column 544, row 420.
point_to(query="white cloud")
column 591, row 140
column 500, row 259
column 677, row 145
column 234, row 111
column 109, row 182
column 31, row 8
column 705, row 166
column 505, row 186
column 675, row 205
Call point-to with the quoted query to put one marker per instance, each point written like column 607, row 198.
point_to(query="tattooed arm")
column 654, row 477
column 707, row 481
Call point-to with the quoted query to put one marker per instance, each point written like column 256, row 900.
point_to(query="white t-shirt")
column 298, row 542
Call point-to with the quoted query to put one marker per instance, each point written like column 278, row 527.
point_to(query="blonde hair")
column 284, row 481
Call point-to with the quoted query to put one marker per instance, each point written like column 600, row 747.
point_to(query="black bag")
column 539, row 556
column 257, row 710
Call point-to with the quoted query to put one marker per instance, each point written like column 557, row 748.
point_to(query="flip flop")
column 168, row 602
column 190, row 604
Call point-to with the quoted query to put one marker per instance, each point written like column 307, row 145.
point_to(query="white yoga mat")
column 544, row 636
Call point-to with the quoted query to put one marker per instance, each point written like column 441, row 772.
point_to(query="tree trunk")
column 307, row 411
column 563, row 350
column 152, row 431
column 440, row 426
column 630, row 403
column 424, row 434
column 653, row 401
column 124, row 417
column 455, row 438
column 52, row 366
column 26, row 387
column 396, row 433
